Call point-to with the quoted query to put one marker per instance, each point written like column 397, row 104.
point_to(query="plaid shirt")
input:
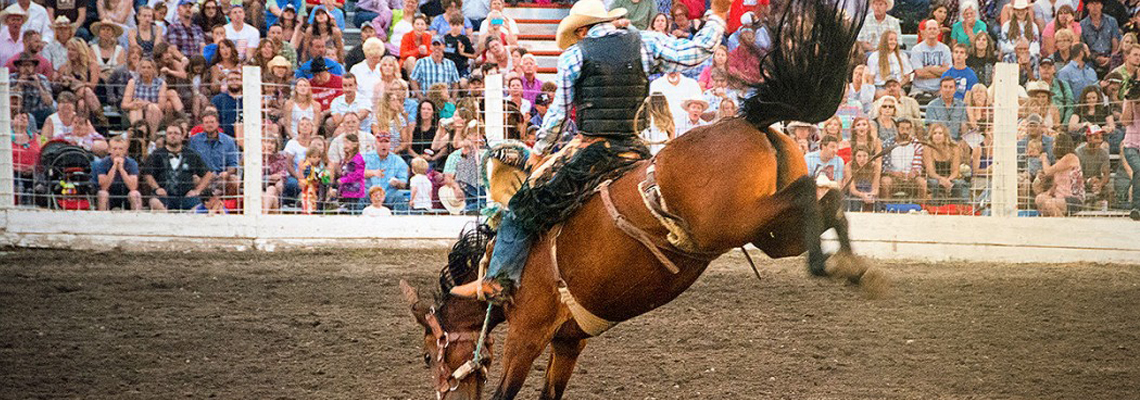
column 188, row 39
column 428, row 72
column 31, row 92
column 659, row 53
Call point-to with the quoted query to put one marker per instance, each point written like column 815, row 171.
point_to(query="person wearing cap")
column 12, row 38
column 274, row 9
column 1101, row 33
column 1062, row 95
column 1093, row 154
column 1034, row 131
column 432, row 70
column 603, row 69
column 877, row 23
column 183, row 33
column 387, row 170
column 538, row 108
column 326, row 87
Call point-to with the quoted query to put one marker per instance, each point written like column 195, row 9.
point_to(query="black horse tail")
column 803, row 75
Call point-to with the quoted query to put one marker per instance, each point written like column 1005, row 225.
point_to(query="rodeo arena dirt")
column 802, row 230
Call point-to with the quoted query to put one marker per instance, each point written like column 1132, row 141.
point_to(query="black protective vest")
column 612, row 84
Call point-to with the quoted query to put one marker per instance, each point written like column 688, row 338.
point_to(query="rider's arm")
column 569, row 68
column 677, row 54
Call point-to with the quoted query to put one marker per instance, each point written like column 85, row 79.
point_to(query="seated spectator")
column 393, row 120
column 863, row 134
column 982, row 58
column 1091, row 110
column 981, row 167
column 244, row 36
column 943, row 158
column 83, row 135
column 145, row 33
column 333, row 8
column 434, row 69
column 683, row 24
column 902, row 166
column 55, row 50
column 316, row 50
column 968, row 26
column 210, row 202
column 175, row 174
column 962, row 74
column 1026, row 62
column 220, row 153
column 147, row 97
column 33, row 45
column 509, row 24
column 301, row 106
column 387, row 171
column 428, row 140
column 326, row 86
column 1066, row 193
column 807, row 135
column 1128, row 71
column 1019, row 26
column 441, row 97
column 694, row 107
column 1062, row 53
column 660, row 23
column 25, row 156
column 276, row 35
column 947, row 110
column 979, row 114
column 1041, row 103
column 416, row 44
column 377, row 209
column 225, row 62
column 365, row 141
column 36, row 88
column 877, row 24
column 1064, row 18
column 62, row 122
column 930, row 59
column 274, row 9
column 462, row 171
column 324, row 27
column 515, row 94
column 889, row 61
column 355, row 55
column 350, row 190
column 118, row 178
column 440, row 25
column 276, row 88
column 727, row 109
column 885, row 126
column 349, row 102
column 457, row 46
column 1034, row 131
column 865, row 176
column 262, row 55
column 825, row 162
column 229, row 104
column 1078, row 73
column 275, row 166
column 860, row 88
column 494, row 53
column 1062, row 95
column 421, row 187
column 539, row 108
column 1093, row 155
column 209, row 15
column 389, row 74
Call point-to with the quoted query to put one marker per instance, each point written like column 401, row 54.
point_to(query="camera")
column 1133, row 90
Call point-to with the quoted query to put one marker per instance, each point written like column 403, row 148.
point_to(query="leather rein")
column 446, row 379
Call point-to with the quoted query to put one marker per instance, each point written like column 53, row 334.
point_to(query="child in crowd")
column 457, row 46
column 1035, row 158
column 211, row 203
column 376, row 209
column 421, row 185
column 441, row 97
column 316, row 178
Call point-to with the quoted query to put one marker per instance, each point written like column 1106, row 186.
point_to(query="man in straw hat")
column 603, row 71
column 11, row 39
column 877, row 23
column 55, row 51
column 38, row 19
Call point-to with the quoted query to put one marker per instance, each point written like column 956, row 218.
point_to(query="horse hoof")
column 875, row 283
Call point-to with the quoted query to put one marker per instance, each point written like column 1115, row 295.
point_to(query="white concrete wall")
column 887, row 236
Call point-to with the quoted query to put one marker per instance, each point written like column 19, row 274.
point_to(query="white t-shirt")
column 398, row 31
column 924, row 55
column 246, row 39
column 372, row 211
column 297, row 151
column 676, row 94
column 896, row 70
column 422, row 187
column 366, row 80
column 655, row 137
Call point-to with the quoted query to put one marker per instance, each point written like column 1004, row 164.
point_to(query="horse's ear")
column 419, row 311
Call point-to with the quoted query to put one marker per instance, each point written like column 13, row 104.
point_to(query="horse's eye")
column 427, row 359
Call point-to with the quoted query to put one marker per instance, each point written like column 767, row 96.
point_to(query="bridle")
column 446, row 379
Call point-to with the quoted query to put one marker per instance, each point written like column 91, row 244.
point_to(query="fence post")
column 7, row 177
column 1003, row 180
column 251, row 129
column 493, row 109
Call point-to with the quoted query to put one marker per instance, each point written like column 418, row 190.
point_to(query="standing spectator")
column 36, row 88
column 37, row 18
column 118, row 178
column 350, row 180
column 175, row 174
column 12, row 41
column 244, row 36
column 275, row 8
column 457, row 46
column 1020, row 26
column 1101, row 33
column 1078, row 73
column 219, row 151
column 434, row 69
column 350, row 102
column 316, row 50
column 902, row 166
column 878, row 23
column 326, row 87
column 942, row 160
column 889, row 61
column 676, row 89
column 968, row 26
column 387, row 170
column 1062, row 94
column 694, row 107
column 948, row 110
column 824, row 161
column 929, row 59
column 982, row 57
column 1065, row 19
column 421, row 185
column 228, row 103
column 147, row 98
column 1130, row 149
column 962, row 74
column 183, row 33
column 32, row 47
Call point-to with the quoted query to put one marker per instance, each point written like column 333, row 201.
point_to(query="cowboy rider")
column 597, row 73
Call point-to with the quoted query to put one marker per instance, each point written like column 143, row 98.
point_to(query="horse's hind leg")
column 563, row 357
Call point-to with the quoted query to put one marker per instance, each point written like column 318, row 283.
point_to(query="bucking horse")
column 642, row 239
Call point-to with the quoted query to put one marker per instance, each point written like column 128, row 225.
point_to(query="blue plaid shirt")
column 659, row 53
column 428, row 72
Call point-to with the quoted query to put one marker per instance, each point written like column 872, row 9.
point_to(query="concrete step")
column 547, row 61
column 538, row 11
column 537, row 26
column 540, row 45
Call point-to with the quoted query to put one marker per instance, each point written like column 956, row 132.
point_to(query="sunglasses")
column 890, row 107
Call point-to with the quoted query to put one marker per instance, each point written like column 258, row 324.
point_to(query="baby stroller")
column 64, row 178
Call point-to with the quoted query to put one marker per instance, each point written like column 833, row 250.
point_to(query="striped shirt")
column 659, row 53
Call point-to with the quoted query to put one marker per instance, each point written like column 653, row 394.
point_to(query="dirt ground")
column 332, row 324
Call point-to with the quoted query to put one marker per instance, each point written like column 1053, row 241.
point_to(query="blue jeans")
column 1132, row 157
column 958, row 193
column 475, row 196
column 512, row 245
column 363, row 16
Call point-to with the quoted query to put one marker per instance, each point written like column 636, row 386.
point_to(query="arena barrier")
column 1002, row 237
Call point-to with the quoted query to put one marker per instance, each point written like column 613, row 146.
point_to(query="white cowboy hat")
column 694, row 99
column 118, row 29
column 451, row 200
column 1038, row 86
column 890, row 4
column 14, row 9
column 1020, row 4
column 584, row 13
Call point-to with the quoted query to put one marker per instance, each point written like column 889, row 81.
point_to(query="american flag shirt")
column 659, row 53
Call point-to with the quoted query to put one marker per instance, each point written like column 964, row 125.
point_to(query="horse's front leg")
column 525, row 342
column 563, row 357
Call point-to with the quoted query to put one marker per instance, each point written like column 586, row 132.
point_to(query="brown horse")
column 724, row 186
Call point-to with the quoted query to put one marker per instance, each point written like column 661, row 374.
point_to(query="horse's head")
column 451, row 333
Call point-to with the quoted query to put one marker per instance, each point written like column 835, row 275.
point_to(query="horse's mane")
column 803, row 76
column 463, row 260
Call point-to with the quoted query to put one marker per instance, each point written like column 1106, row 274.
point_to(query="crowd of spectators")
column 153, row 88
